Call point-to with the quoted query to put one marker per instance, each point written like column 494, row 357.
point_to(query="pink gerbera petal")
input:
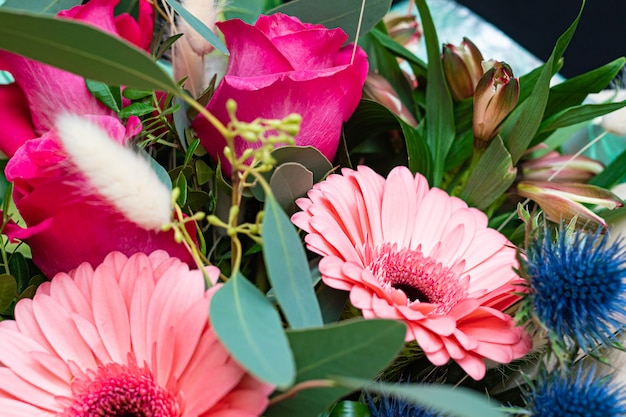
column 422, row 257
column 76, row 363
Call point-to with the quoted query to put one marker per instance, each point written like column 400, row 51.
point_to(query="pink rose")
column 29, row 107
column 281, row 66
column 69, row 220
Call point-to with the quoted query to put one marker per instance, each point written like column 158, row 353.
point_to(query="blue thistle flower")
column 577, row 287
column 394, row 407
column 581, row 394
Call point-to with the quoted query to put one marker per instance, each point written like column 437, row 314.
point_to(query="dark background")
column 536, row 25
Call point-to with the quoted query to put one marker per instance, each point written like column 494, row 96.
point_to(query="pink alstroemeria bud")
column 567, row 169
column 563, row 201
column 462, row 67
column 378, row 89
column 403, row 29
column 496, row 95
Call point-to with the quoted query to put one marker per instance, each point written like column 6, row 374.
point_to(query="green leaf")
column 355, row 348
column 290, row 181
column 307, row 156
column 181, row 184
column 574, row 90
column 198, row 26
column 41, row 6
column 109, row 96
column 578, row 114
column 69, row 45
column 419, row 67
column 612, row 174
column 417, row 149
column 136, row 109
column 250, row 328
column 337, row 13
column 246, row 10
column 439, row 131
column 288, row 269
column 18, row 266
column 457, row 401
column 493, row 175
column 134, row 94
column 350, row 409
column 8, row 291
column 522, row 124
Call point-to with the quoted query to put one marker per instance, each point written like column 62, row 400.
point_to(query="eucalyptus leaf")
column 290, row 181
column 250, row 328
column 355, row 348
column 288, row 269
column 337, row 13
column 69, row 45
column 8, row 291
column 439, row 130
column 41, row 6
column 198, row 26
column 308, row 156
column 491, row 177
column 453, row 401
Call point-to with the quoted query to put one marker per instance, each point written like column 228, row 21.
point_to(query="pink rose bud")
column 567, row 169
column 563, row 201
column 495, row 97
column 463, row 69
column 378, row 89
column 403, row 29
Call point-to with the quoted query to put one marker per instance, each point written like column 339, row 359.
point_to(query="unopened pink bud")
column 462, row 67
column 496, row 95
column 377, row 88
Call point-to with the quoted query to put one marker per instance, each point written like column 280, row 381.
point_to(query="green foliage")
column 249, row 326
column 69, row 45
column 357, row 348
column 198, row 26
column 288, row 269
column 439, row 128
column 458, row 401
column 337, row 13
column 41, row 6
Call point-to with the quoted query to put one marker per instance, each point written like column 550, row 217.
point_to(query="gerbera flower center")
column 420, row 278
column 121, row 391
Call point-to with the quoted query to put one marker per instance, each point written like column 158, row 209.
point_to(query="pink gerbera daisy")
column 415, row 254
column 130, row 338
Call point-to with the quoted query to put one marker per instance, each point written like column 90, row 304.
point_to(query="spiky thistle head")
column 576, row 287
column 394, row 407
column 580, row 393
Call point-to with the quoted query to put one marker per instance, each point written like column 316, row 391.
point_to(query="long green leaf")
column 356, row 348
column 8, row 291
column 459, row 401
column 439, row 129
column 249, row 326
column 199, row 27
column 493, row 175
column 578, row 114
column 288, row 269
column 419, row 67
column 337, row 13
column 612, row 174
column 41, row 6
column 522, row 124
column 81, row 49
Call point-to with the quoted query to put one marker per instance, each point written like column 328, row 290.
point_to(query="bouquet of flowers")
column 251, row 208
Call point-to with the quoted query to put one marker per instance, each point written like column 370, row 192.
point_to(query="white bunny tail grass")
column 121, row 176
